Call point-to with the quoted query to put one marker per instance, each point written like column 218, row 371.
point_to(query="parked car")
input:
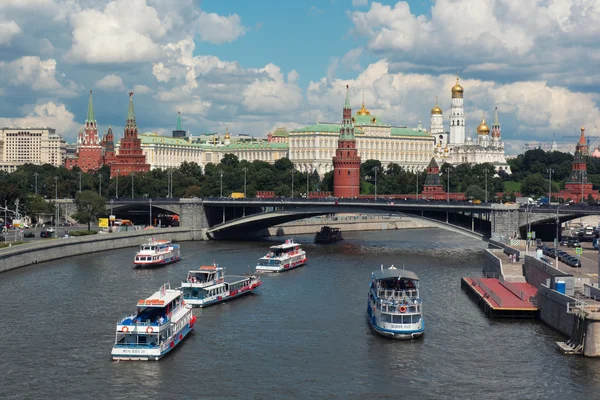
column 29, row 234
column 562, row 255
column 46, row 234
column 573, row 243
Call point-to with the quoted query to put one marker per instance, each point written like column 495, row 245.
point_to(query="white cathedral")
column 453, row 148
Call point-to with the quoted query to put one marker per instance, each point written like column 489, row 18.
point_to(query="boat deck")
column 502, row 299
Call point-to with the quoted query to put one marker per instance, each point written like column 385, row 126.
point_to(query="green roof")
column 153, row 138
column 367, row 120
column 321, row 127
column 280, row 132
column 178, row 121
column 407, row 132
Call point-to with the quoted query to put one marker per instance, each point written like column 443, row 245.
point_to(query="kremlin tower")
column 496, row 131
column 89, row 149
column 346, row 162
column 131, row 157
column 578, row 186
column 433, row 188
column 457, row 116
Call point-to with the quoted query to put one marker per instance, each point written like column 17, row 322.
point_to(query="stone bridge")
column 240, row 217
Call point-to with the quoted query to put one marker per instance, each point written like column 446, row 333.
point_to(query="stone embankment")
column 348, row 224
column 53, row 249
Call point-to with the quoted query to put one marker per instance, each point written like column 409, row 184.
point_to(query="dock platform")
column 500, row 299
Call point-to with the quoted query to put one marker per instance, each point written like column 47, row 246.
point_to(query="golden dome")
column 457, row 90
column 363, row 111
column 446, row 149
column 436, row 110
column 439, row 144
column 483, row 129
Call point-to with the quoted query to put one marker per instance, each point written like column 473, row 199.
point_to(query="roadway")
column 10, row 235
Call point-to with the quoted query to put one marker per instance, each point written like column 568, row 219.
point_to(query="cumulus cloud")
column 272, row 93
column 50, row 114
column 39, row 75
column 141, row 89
column 8, row 29
column 219, row 29
column 532, row 108
column 360, row 3
column 464, row 32
column 110, row 82
column 125, row 31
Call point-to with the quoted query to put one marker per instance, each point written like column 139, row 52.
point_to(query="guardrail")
column 495, row 297
column 514, row 290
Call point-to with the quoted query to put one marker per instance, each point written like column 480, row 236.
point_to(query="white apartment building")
column 20, row 146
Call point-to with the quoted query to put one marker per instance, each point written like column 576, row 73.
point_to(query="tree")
column 230, row 160
column 283, row 164
column 35, row 205
column 193, row 191
column 89, row 205
column 534, row 185
column 366, row 169
column 475, row 192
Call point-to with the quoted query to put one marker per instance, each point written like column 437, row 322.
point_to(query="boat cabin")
column 206, row 274
column 395, row 283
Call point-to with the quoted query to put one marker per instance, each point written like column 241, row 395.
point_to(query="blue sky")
column 251, row 67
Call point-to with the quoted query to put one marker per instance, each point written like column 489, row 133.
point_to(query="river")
column 302, row 335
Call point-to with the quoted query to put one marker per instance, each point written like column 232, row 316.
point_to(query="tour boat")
column 162, row 321
column 282, row 257
column 157, row 252
column 395, row 308
column 328, row 235
column 209, row 285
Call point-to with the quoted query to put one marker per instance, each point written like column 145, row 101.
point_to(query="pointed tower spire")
column 130, row 112
column 496, row 122
column 347, row 103
column 91, row 118
column 178, row 120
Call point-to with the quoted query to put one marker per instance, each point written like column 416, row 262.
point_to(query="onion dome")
column 446, row 149
column 457, row 90
column 483, row 129
column 363, row 111
column 436, row 110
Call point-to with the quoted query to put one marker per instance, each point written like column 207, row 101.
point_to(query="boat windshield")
column 200, row 276
column 147, row 248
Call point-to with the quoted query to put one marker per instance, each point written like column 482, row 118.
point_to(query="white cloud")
column 219, row 29
column 469, row 31
column 8, row 29
column 125, row 31
column 141, row 89
column 534, row 109
column 39, row 75
column 110, row 83
column 271, row 93
column 50, row 114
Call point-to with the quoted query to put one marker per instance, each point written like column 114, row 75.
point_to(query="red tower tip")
column 130, row 94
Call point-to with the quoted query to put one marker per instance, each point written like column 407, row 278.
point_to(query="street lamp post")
column 150, row 200
column 117, row 186
column 221, row 173
column 558, row 224
column 245, row 171
column 550, row 171
column 375, row 169
column 111, row 206
column 486, row 191
column 35, row 175
column 417, row 189
column 56, row 212
column 448, row 191
column 307, row 184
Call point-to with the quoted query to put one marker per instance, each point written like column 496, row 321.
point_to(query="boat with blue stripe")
column 156, row 253
column 209, row 285
column 395, row 307
column 161, row 322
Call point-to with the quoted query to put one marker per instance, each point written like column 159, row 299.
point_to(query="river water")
column 303, row 335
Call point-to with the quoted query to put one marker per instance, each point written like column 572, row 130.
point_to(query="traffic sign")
column 529, row 235
column 578, row 250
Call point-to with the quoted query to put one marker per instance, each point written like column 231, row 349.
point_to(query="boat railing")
column 397, row 308
column 129, row 321
column 489, row 293
column 516, row 291
column 137, row 345
column 397, row 294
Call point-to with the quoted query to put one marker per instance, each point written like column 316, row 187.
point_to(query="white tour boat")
column 282, row 257
column 157, row 252
column 395, row 308
column 162, row 321
column 209, row 285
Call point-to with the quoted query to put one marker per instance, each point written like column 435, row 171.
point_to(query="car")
column 29, row 234
column 46, row 234
column 573, row 243
column 564, row 242
column 562, row 255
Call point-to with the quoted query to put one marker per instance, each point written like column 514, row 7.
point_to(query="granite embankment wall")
column 53, row 249
column 347, row 225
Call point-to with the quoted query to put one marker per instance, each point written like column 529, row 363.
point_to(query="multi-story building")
column 279, row 135
column 313, row 147
column 169, row 152
column 20, row 146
